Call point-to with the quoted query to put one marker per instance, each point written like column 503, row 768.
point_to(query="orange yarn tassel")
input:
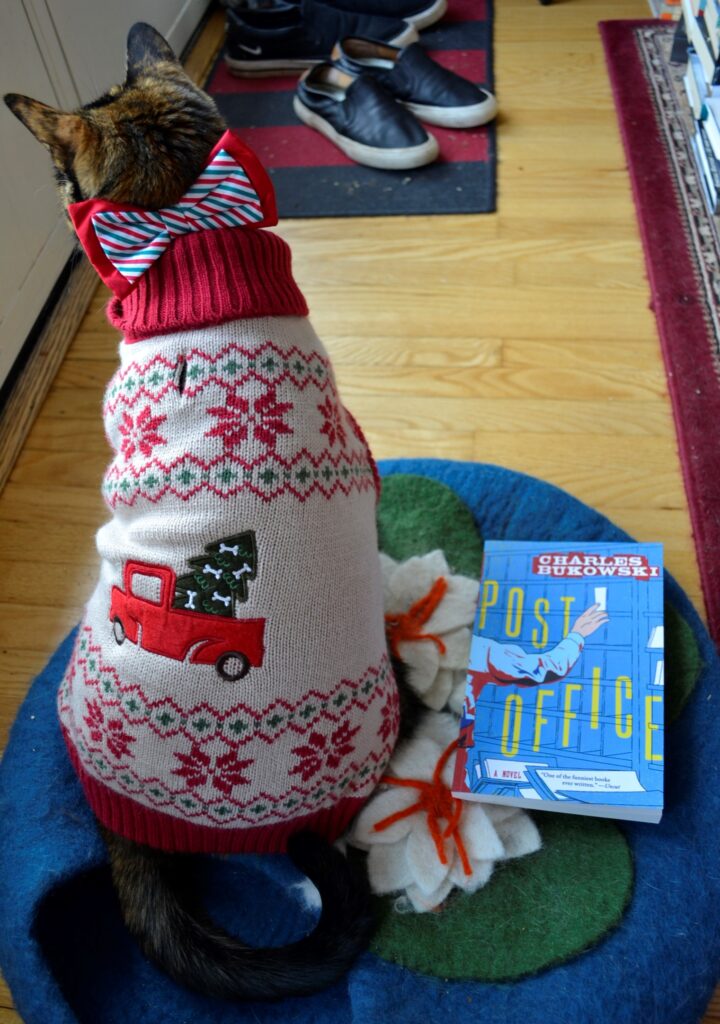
column 407, row 625
column 438, row 803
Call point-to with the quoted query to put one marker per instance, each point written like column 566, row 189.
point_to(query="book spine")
column 711, row 15
column 712, row 129
column 705, row 185
column 701, row 86
column 687, row 79
column 712, row 162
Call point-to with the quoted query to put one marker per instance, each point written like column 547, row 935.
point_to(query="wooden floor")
column 522, row 338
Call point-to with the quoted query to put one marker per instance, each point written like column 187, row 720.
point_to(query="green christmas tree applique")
column 220, row 577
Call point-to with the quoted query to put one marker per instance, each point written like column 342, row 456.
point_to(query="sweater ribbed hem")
column 210, row 277
column 141, row 824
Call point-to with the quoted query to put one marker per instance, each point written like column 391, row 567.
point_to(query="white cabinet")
column 63, row 52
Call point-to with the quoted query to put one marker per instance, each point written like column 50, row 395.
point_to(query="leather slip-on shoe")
column 362, row 120
column 430, row 91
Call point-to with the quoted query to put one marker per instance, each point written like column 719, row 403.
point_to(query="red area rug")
column 682, row 253
column 313, row 178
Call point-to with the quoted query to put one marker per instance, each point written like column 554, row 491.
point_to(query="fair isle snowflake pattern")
column 118, row 742
column 228, row 474
column 212, row 754
column 333, row 425
column 224, row 772
column 268, row 422
column 230, row 368
column 322, row 752
column 261, row 419
column 140, row 434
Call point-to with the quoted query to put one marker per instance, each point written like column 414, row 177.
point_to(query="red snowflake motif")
column 141, row 434
column 229, row 772
column 340, row 741
column 265, row 416
column 118, row 741
column 318, row 752
column 94, row 719
column 390, row 717
column 197, row 768
column 333, row 425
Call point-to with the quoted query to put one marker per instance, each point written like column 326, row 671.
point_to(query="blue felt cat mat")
column 68, row 961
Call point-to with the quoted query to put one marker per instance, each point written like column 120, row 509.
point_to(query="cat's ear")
column 58, row 131
column 146, row 48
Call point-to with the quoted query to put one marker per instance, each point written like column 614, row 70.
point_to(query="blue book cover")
column 563, row 707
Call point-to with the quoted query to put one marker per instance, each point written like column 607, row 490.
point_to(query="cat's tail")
column 159, row 909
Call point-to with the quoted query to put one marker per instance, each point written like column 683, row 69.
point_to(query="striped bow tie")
column 232, row 191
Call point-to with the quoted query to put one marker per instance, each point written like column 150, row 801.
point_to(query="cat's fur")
column 144, row 143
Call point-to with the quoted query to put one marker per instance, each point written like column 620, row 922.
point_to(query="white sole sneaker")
column 289, row 66
column 370, row 156
column 267, row 68
column 409, row 34
column 429, row 16
column 456, row 117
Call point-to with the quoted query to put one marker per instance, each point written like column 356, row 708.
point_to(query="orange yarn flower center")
column 439, row 804
column 405, row 626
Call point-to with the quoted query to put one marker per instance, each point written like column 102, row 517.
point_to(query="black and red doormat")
column 313, row 178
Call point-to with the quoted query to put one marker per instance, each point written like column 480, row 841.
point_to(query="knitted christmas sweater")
column 230, row 682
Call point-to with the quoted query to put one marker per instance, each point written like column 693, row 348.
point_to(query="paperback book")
column 563, row 707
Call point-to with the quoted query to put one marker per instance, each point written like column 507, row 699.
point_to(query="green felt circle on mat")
column 683, row 663
column 536, row 910
column 417, row 515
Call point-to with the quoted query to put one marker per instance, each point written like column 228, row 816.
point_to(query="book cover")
column 563, row 708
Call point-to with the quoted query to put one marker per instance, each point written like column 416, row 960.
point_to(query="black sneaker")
column 419, row 13
column 284, row 38
column 430, row 91
column 362, row 120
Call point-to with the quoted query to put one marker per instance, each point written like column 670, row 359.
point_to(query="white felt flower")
column 431, row 613
column 412, row 852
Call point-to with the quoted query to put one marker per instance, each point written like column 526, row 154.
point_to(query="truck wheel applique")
column 194, row 614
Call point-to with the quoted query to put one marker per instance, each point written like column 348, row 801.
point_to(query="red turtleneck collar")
column 208, row 278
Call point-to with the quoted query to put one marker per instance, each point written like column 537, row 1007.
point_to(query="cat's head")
column 142, row 143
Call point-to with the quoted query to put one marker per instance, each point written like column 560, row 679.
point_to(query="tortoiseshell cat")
column 144, row 143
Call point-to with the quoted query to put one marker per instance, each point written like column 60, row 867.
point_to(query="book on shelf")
column 699, row 38
column 711, row 16
column 563, row 708
column 711, row 122
column 708, row 168
column 695, row 86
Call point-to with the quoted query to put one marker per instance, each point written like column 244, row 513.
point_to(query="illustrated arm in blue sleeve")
column 510, row 664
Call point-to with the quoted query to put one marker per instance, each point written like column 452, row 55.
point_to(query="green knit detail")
column 166, row 717
column 219, row 578
column 535, row 911
column 233, row 367
column 226, row 476
column 417, row 515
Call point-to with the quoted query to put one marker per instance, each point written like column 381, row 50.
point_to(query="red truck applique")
column 232, row 645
